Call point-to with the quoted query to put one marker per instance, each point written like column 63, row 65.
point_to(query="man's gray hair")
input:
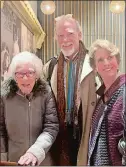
column 68, row 17
column 25, row 58
column 105, row 44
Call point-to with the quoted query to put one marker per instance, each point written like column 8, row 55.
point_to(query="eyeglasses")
column 29, row 74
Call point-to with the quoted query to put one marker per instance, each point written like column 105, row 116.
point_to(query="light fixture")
column 117, row 6
column 48, row 7
column 1, row 4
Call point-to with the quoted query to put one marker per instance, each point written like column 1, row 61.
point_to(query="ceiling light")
column 117, row 6
column 48, row 7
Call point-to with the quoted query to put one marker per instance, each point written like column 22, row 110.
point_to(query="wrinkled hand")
column 28, row 159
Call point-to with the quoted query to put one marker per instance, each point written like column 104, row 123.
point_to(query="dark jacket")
column 27, row 123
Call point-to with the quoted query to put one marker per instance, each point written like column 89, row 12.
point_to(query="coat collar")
column 86, row 69
column 117, row 83
column 10, row 89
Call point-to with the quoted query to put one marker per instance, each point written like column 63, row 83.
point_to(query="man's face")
column 68, row 37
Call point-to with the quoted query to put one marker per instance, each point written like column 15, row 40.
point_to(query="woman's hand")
column 28, row 159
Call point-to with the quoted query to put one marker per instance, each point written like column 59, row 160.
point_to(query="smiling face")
column 106, row 65
column 68, row 37
column 25, row 76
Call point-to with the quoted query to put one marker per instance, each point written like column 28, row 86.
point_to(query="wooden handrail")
column 7, row 163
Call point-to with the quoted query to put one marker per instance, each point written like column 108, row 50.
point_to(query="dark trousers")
column 73, row 145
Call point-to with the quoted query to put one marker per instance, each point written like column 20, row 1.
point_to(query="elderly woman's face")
column 106, row 65
column 25, row 76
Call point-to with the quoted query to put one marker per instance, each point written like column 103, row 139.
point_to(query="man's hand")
column 28, row 159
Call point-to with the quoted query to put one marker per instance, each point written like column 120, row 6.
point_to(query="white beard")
column 68, row 52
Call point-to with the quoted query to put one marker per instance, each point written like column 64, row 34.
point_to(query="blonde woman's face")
column 106, row 65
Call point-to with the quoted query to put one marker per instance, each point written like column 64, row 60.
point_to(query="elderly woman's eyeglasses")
column 29, row 74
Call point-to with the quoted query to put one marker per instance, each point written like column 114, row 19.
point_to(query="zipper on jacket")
column 29, row 108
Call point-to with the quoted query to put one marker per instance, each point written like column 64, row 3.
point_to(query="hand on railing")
column 28, row 159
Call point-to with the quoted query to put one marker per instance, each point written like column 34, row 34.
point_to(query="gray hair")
column 69, row 18
column 24, row 58
column 105, row 44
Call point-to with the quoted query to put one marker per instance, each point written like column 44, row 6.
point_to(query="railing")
column 5, row 163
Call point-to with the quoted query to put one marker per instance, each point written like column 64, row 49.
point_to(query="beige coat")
column 88, row 98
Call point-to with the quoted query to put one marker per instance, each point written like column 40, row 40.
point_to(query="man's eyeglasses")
column 29, row 74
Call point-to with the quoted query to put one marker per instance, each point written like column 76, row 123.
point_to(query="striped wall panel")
column 96, row 21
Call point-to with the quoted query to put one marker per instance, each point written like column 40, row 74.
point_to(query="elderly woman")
column 29, row 123
column 107, row 120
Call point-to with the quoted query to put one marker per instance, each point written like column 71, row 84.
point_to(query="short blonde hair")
column 25, row 58
column 69, row 18
column 105, row 44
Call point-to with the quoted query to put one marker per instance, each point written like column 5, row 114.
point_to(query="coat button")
column 96, row 85
column 93, row 103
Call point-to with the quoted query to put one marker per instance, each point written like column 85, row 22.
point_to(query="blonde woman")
column 107, row 121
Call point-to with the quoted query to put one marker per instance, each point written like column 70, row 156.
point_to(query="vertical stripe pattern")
column 96, row 21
